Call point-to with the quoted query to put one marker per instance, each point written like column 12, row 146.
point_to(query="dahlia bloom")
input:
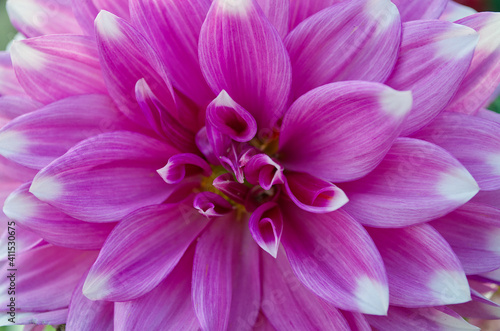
column 251, row 164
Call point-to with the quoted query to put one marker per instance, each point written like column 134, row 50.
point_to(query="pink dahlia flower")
column 251, row 165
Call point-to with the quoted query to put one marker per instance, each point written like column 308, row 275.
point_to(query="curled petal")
column 210, row 204
column 313, row 194
column 266, row 227
column 415, row 183
column 448, row 50
column 230, row 187
column 341, row 131
column 241, row 52
column 483, row 76
column 263, row 170
column 182, row 165
column 257, row 196
column 355, row 40
column 54, row 67
column 230, row 119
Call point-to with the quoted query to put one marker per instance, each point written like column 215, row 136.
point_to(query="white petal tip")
column 458, row 43
column 235, row 6
column 224, row 100
column 26, row 57
column 458, row 186
column 107, row 25
column 16, row 207
column 396, row 103
column 450, row 287
column 95, row 288
column 12, row 143
column 46, row 188
column 372, row 297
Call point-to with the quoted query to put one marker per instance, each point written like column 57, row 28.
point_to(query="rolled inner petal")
column 184, row 165
column 266, row 227
column 229, row 186
column 210, row 204
column 313, row 194
column 263, row 170
column 229, row 118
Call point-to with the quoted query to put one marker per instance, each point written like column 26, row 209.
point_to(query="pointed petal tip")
column 12, row 143
column 95, row 288
column 396, row 103
column 25, row 56
column 106, row 24
column 46, row 188
column 458, row 185
column 372, row 297
column 17, row 208
column 450, row 287
column 457, row 43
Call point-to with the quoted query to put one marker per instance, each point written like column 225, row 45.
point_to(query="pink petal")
column 421, row 267
column 167, row 307
column 455, row 11
column 182, row 165
column 473, row 232
column 92, row 182
column 411, row 10
column 313, row 194
column 43, row 272
column 288, row 304
column 415, row 183
column 277, row 12
column 479, row 307
column 335, row 258
column 13, row 106
column 54, row 67
column 356, row 321
column 448, row 50
column 54, row 317
column 483, row 76
column 266, row 227
column 52, row 225
column 226, row 286
column 9, row 84
column 173, row 28
column 15, row 171
column 242, row 53
column 85, row 13
column 341, row 131
column 302, row 9
column 263, row 170
column 429, row 319
column 357, row 40
column 36, row 139
column 25, row 238
column 126, row 57
column 474, row 141
column 229, row 118
column 122, row 272
column 210, row 204
column 39, row 17
column 234, row 190
column 85, row 314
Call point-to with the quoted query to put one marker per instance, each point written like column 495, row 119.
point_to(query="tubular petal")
column 335, row 258
column 415, row 183
column 210, row 204
column 474, row 141
column 92, row 182
column 121, row 272
column 341, row 131
column 421, row 267
column 242, row 53
column 263, row 170
column 355, row 40
column 287, row 302
column 234, row 190
column 448, row 49
column 266, row 227
column 483, row 76
column 473, row 232
column 182, row 165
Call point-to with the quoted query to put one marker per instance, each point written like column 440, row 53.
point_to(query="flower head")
column 245, row 164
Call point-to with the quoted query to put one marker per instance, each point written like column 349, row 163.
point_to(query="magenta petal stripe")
column 337, row 246
column 173, row 28
column 302, row 9
column 474, row 141
column 167, row 307
column 415, row 183
column 37, row 17
column 357, row 40
column 287, row 303
column 242, row 53
column 78, row 319
column 37, row 138
column 12, row 106
column 421, row 267
column 126, row 57
column 483, row 76
column 54, row 67
column 121, row 272
column 341, row 131
column 420, row 9
column 473, row 233
column 277, row 12
column 448, row 49
column 54, row 226
column 92, row 181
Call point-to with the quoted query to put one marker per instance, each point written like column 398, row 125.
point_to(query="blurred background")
column 7, row 32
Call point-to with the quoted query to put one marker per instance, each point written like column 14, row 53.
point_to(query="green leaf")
column 495, row 106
